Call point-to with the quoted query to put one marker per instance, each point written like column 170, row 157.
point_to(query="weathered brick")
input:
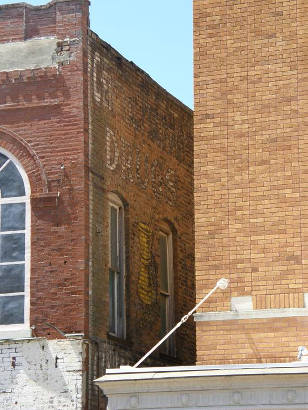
column 60, row 120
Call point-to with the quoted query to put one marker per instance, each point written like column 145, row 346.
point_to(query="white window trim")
column 114, row 201
column 170, row 343
column 22, row 330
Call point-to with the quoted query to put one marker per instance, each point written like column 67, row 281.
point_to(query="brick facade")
column 43, row 123
column 140, row 149
column 84, row 123
column 250, row 174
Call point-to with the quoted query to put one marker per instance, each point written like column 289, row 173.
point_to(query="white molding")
column 129, row 374
column 196, row 368
column 250, row 314
column 235, row 387
column 13, row 333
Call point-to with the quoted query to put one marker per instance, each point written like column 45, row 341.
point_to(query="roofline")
column 140, row 70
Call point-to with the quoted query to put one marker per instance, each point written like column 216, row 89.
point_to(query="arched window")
column 14, row 244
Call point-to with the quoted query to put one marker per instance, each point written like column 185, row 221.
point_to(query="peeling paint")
column 40, row 374
column 34, row 53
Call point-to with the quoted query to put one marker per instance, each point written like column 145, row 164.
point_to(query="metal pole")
column 221, row 284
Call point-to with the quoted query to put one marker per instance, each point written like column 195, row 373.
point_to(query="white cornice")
column 217, row 387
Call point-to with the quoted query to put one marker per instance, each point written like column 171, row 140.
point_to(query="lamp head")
column 222, row 283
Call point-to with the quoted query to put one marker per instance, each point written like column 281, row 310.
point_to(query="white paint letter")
column 112, row 150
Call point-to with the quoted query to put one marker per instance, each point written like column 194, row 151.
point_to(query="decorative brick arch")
column 28, row 158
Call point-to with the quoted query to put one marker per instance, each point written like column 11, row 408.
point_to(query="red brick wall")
column 250, row 170
column 43, row 117
column 44, row 121
column 151, row 133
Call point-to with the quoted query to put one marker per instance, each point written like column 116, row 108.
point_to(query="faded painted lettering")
column 134, row 166
column 112, row 150
column 146, row 290
column 102, row 83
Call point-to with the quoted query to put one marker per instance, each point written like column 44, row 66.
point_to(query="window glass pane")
column 114, row 238
column 12, row 247
column 163, row 263
column 121, row 255
column 120, row 306
column 11, row 183
column 119, row 295
column 11, row 310
column 112, row 301
column 3, row 159
column 163, row 314
column 12, row 217
column 12, row 278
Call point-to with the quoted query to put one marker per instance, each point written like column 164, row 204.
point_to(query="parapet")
column 59, row 18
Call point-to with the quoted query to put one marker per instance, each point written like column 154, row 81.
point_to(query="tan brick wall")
column 251, row 341
column 250, row 164
column 141, row 147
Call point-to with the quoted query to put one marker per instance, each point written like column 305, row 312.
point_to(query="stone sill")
column 250, row 314
column 15, row 333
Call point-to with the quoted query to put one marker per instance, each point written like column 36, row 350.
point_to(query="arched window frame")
column 21, row 330
column 117, row 325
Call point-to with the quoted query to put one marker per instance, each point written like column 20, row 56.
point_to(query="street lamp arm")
column 221, row 284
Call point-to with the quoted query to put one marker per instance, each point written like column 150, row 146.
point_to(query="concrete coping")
column 16, row 339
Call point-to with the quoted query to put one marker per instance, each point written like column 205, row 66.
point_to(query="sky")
column 154, row 34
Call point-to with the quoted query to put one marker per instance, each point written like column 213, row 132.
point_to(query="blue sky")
column 154, row 34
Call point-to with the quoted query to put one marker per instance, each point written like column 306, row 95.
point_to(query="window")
column 14, row 244
column 116, row 268
column 166, row 289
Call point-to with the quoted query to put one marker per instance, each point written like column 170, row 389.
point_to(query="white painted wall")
column 41, row 374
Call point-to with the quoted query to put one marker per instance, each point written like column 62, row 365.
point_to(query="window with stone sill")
column 14, row 242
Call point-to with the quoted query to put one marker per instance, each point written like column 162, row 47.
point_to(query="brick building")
column 251, row 180
column 96, row 256
column 251, row 185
